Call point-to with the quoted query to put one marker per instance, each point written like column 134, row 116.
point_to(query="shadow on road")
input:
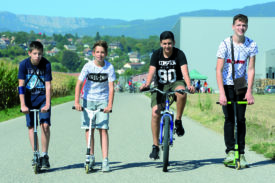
column 262, row 163
column 175, row 166
column 179, row 166
column 68, row 167
column 134, row 165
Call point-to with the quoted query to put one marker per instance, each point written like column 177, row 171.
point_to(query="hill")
column 116, row 27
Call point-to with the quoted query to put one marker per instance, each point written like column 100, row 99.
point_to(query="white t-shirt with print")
column 97, row 80
column 241, row 53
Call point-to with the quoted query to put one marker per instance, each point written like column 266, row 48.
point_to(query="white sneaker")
column 229, row 157
column 243, row 161
column 105, row 165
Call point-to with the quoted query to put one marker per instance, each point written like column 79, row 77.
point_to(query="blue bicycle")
column 166, row 123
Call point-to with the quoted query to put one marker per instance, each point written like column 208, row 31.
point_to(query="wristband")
column 21, row 90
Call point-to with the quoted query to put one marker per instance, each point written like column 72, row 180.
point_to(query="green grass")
column 14, row 112
column 260, row 123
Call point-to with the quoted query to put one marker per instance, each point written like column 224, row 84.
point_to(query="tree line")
column 73, row 61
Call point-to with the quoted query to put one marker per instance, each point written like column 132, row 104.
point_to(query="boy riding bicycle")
column 98, row 93
column 170, row 66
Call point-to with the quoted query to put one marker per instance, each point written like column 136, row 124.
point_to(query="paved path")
column 196, row 157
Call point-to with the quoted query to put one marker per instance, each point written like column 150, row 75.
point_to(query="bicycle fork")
column 170, row 115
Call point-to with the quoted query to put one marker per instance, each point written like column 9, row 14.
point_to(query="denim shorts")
column 43, row 117
column 100, row 120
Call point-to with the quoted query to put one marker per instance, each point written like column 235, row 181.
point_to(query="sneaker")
column 229, row 157
column 155, row 153
column 105, row 165
column 45, row 162
column 179, row 128
column 243, row 161
column 92, row 162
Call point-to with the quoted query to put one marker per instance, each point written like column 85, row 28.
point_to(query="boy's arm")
column 151, row 72
column 77, row 95
column 111, row 98
column 250, row 79
column 48, row 87
column 185, row 73
column 24, row 108
column 219, row 70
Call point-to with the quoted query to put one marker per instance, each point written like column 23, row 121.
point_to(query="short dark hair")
column 167, row 35
column 101, row 43
column 35, row 45
column 240, row 17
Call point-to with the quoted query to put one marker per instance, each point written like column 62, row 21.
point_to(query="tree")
column 70, row 60
column 21, row 37
column 97, row 37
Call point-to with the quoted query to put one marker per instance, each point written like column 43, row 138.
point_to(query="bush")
column 8, row 85
column 62, row 85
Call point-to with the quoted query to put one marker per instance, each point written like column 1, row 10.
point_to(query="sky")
column 118, row 9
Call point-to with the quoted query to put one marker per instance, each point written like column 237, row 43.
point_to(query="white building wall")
column 199, row 38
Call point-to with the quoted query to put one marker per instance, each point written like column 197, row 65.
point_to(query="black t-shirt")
column 168, row 69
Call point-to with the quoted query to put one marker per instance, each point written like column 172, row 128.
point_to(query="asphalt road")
column 196, row 157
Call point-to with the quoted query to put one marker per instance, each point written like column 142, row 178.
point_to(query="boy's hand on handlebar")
column 191, row 89
column 144, row 87
column 78, row 107
column 107, row 109
column 223, row 100
column 45, row 109
column 25, row 109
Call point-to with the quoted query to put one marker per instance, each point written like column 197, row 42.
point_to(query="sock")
column 43, row 154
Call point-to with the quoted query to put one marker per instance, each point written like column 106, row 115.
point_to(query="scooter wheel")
column 237, row 165
column 87, row 168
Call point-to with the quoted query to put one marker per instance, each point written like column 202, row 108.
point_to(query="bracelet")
column 21, row 90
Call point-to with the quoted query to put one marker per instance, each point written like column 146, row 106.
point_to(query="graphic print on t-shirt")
column 167, row 71
column 35, row 85
column 98, row 77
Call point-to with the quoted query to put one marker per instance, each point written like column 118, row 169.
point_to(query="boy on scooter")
column 98, row 94
column 244, row 52
column 35, row 77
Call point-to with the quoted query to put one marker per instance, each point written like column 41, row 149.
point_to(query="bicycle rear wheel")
column 166, row 140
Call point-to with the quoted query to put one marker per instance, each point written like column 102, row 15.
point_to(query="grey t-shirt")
column 97, row 80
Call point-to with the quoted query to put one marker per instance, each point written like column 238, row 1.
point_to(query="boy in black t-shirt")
column 35, row 77
column 170, row 66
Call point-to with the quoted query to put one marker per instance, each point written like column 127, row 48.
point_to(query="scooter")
column 236, row 161
column 91, row 113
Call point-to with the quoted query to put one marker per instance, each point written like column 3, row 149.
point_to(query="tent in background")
column 195, row 75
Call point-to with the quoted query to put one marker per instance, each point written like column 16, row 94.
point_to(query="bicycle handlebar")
column 238, row 102
column 162, row 92
column 101, row 110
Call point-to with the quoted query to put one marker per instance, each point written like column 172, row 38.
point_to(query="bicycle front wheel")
column 166, row 140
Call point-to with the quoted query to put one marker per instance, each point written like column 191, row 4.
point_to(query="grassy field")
column 260, row 133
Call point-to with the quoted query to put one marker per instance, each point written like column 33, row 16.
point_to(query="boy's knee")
column 181, row 96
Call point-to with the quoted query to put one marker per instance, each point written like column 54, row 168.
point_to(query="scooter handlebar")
column 101, row 110
column 238, row 102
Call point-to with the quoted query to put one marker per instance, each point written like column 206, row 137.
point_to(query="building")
column 53, row 51
column 115, row 45
column 133, row 65
column 70, row 47
column 3, row 44
column 134, row 57
column 199, row 38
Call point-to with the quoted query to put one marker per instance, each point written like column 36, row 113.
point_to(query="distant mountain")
column 116, row 27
